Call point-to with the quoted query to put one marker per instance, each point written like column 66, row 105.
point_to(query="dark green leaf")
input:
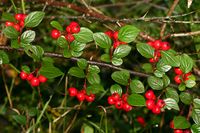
column 172, row 93
column 27, row 36
column 50, row 71
column 15, row 44
column 169, row 58
column 195, row 128
column 136, row 86
column 102, row 40
column 56, row 25
column 62, row 42
column 180, row 122
column 122, row 51
column 196, row 116
column 8, row 17
column 4, row 59
column 67, row 53
column 158, row 73
column 84, row 36
column 145, row 50
column 11, row 32
column 35, row 52
column 181, row 87
column 82, row 63
column 20, row 119
column 117, row 61
column 186, row 98
column 93, row 69
column 77, row 46
column 147, row 67
column 136, row 100
column 128, row 33
column 76, row 54
column 186, row 63
column 121, row 77
column 93, row 78
column 161, row 66
column 166, row 80
column 116, row 89
column 196, row 103
column 105, row 58
column 32, row 112
column 26, row 69
column 95, row 88
column 171, row 104
column 34, row 19
column 155, row 83
column 76, row 72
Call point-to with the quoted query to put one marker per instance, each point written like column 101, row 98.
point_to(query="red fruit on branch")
column 90, row 98
column 165, row 46
column 177, row 79
column 8, row 23
column 126, row 107
column 150, row 95
column 171, row 124
column 19, row 17
column 157, row 44
column 72, row 91
column 109, row 33
column 119, row 104
column 35, row 82
column 55, row 34
column 160, row 103
column 156, row 109
column 23, row 75
column 17, row 27
column 115, row 35
column 111, row 100
column 42, row 78
column 178, row 131
column 178, row 71
column 69, row 37
column 80, row 96
column 75, row 29
column 150, row 104
column 141, row 120
column 30, row 76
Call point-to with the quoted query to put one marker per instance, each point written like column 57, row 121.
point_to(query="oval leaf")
column 137, row 86
column 136, row 100
column 122, row 51
column 180, row 122
column 93, row 78
column 27, row 36
column 85, row 35
column 116, row 89
column 34, row 19
column 186, row 63
column 172, row 93
column 145, row 50
column 56, row 25
column 121, row 77
column 117, row 61
column 20, row 119
column 11, row 32
column 102, row 40
column 186, row 98
column 76, row 72
column 155, row 83
column 3, row 58
column 169, row 58
column 171, row 104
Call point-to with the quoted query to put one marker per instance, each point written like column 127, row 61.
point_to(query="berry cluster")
column 114, row 36
column 179, row 130
column 180, row 76
column 158, row 45
column 19, row 24
column 81, row 95
column 155, row 107
column 120, row 102
column 141, row 121
column 34, row 81
column 72, row 28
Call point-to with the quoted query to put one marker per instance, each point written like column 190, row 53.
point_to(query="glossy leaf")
column 145, row 50
column 62, row 42
column 155, row 83
column 35, row 52
column 117, row 61
column 116, row 89
column 8, row 17
column 94, row 88
column 93, row 78
column 196, row 116
column 77, row 46
column 76, row 72
column 50, row 71
column 4, row 59
column 11, row 32
column 172, row 93
column 136, row 86
column 84, row 36
column 27, row 36
column 105, row 58
column 136, row 100
column 93, row 69
column 82, row 63
column 121, row 77
column 122, row 51
column 56, row 25
column 169, row 58
column 196, row 103
column 102, row 40
column 34, row 19
column 180, row 122
column 186, row 98
column 20, row 119
column 171, row 104
column 186, row 63
column 161, row 66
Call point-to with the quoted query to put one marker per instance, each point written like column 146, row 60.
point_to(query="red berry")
column 116, row 96
column 19, row 16
column 156, row 109
column 157, row 44
column 55, row 34
column 165, row 46
column 73, row 24
column 160, row 103
column 72, row 91
column 23, row 75
column 150, row 104
column 69, row 37
column 150, row 95
column 187, row 131
column 80, row 96
column 151, row 44
column 178, row 131
column 109, row 33
column 75, row 29
column 68, row 29
column 141, row 120
column 178, row 71
column 124, row 97
column 21, row 23
column 111, row 100
column 8, row 23
column 42, row 78
column 154, row 60
column 116, row 44
column 157, row 53
column 151, row 60
column 171, row 124
column 186, row 76
column 177, row 79
column 17, row 27
column 35, row 82
column 90, row 98
column 115, row 35
column 119, row 104
column 23, row 17
column 30, row 76
column 126, row 107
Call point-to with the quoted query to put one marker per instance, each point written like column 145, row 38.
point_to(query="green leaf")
column 116, row 89
column 105, row 58
column 11, row 32
column 128, row 33
column 186, row 98
column 171, row 104
column 26, row 69
column 35, row 52
column 102, row 40
column 32, row 111
column 34, row 19
column 4, row 59
column 82, row 63
column 155, row 83
column 158, row 73
column 181, row 87
column 93, row 69
column 136, row 86
column 93, row 78
column 67, row 53
column 27, row 36
column 8, row 17
column 190, row 83
column 85, row 35
column 121, row 77
column 195, row 128
column 15, row 43
column 196, row 116
column 94, row 88
column 166, row 80
column 122, row 51
column 145, row 50
column 161, row 66
column 77, row 46
column 186, row 63
column 76, row 54
column 117, row 61
column 76, row 72
column 169, row 58
column 147, row 67
column 87, row 129
column 20, row 119
column 56, row 25
column 196, row 103
column 62, row 42
column 172, row 93
column 50, row 71
column 136, row 100
column 181, row 122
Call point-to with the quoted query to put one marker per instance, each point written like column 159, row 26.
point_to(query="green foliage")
column 34, row 19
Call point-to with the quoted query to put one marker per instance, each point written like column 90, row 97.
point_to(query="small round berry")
column 68, row 29
column 171, row 124
column 154, row 60
column 116, row 96
column 178, row 71
column 119, row 104
column 30, row 76
column 35, row 82
column 73, row 23
column 178, row 131
column 21, row 23
column 111, row 100
column 8, row 23
column 19, row 16
column 72, row 91
column 55, row 34
column 23, row 75
column 187, row 131
column 177, row 79
column 80, row 96
column 141, row 120
column 160, row 103
column 109, row 33
column 42, row 78
column 116, row 44
column 23, row 17
column 17, row 27
column 69, row 37
column 157, row 53
column 75, row 29
column 151, row 44
column 124, row 97
column 186, row 76
column 150, row 95
column 156, row 109
column 150, row 104
column 115, row 35
column 90, row 98
column 126, row 107
column 157, row 44
column 165, row 46
column 151, row 60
